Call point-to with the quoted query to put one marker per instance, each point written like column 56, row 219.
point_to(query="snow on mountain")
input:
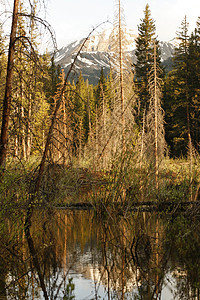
column 97, row 51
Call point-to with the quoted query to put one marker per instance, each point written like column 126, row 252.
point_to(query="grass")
column 125, row 184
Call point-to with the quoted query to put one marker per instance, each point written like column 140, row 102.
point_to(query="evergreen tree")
column 181, row 93
column 110, row 90
column 52, row 84
column 84, row 106
column 144, row 55
column 194, row 84
column 100, row 86
column 29, row 114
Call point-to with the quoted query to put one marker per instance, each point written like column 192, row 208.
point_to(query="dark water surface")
column 83, row 256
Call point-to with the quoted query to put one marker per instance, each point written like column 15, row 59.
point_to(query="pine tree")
column 178, row 102
column 30, row 108
column 144, row 55
column 194, row 84
column 101, row 85
column 52, row 84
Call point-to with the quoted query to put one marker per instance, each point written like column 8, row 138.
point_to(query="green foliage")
column 144, row 55
column 182, row 94
column 101, row 90
column 52, row 80
column 69, row 292
column 85, row 121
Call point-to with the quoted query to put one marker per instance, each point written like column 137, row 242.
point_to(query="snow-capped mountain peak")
column 96, row 52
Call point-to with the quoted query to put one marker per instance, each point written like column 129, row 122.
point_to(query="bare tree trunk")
column 156, row 118
column 89, row 112
column 32, row 87
column 80, row 143
column 23, row 134
column 104, row 138
column 65, row 129
column 156, row 144
column 142, row 139
column 190, row 151
column 16, row 150
column 121, row 81
column 28, row 148
column 16, row 145
column 96, row 135
column 7, row 97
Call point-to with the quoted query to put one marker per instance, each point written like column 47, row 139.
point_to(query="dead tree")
column 156, row 144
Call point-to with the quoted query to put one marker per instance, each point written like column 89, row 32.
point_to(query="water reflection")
column 137, row 256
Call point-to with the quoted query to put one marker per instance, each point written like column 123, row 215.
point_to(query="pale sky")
column 74, row 19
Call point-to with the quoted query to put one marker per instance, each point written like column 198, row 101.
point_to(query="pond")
column 140, row 255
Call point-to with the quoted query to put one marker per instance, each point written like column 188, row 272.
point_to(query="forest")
column 138, row 110
column 133, row 139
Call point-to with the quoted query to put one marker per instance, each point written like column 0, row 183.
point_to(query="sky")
column 74, row 19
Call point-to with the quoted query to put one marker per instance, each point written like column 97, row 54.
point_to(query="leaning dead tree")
column 36, row 187
column 54, row 117
column 155, row 137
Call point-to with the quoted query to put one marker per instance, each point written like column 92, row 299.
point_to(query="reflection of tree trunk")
column 65, row 244
column 8, row 88
column 3, row 276
column 34, row 256
column 157, row 260
column 123, row 262
column 32, row 285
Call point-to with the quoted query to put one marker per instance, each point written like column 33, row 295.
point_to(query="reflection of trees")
column 133, row 255
column 130, row 260
column 129, row 256
column 59, row 239
column 184, row 234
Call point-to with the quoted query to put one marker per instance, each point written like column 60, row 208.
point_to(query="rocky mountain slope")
column 97, row 52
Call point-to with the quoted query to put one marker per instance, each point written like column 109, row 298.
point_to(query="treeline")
column 95, row 121
column 182, row 92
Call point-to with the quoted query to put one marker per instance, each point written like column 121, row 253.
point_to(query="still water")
column 83, row 256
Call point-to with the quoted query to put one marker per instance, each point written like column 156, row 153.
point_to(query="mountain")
column 97, row 52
